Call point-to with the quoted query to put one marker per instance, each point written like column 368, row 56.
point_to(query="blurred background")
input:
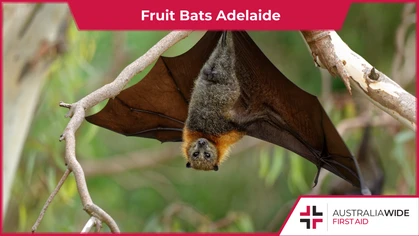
column 143, row 184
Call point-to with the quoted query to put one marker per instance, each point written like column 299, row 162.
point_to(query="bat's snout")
column 202, row 142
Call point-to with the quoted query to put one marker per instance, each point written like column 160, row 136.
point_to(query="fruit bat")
column 223, row 88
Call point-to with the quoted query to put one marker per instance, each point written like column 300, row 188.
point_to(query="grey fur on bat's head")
column 202, row 155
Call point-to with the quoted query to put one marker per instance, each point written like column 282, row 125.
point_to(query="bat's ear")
column 216, row 168
column 188, row 165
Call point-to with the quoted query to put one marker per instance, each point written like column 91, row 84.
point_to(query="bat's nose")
column 207, row 70
column 202, row 142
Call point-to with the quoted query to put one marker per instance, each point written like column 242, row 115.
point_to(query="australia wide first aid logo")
column 311, row 217
column 354, row 216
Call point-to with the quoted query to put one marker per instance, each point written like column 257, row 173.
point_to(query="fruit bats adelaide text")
column 220, row 90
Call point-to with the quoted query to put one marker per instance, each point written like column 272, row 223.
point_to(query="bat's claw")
column 316, row 180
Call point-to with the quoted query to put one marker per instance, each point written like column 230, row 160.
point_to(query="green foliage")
column 251, row 190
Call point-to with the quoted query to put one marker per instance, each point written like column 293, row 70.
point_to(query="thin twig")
column 89, row 225
column 364, row 120
column 98, row 225
column 49, row 200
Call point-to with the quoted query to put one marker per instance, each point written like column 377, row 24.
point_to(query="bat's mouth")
column 202, row 165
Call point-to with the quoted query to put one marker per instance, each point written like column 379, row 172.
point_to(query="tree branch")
column 77, row 114
column 331, row 53
column 364, row 120
column 49, row 200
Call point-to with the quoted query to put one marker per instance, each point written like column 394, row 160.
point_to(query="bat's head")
column 201, row 154
column 206, row 152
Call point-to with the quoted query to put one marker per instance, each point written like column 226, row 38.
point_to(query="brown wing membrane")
column 291, row 117
column 157, row 106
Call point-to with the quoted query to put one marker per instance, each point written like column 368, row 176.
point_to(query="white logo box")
column 353, row 215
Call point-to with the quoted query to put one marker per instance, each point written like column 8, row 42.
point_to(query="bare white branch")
column 330, row 52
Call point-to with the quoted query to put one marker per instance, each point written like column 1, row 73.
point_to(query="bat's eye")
column 207, row 155
column 195, row 154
